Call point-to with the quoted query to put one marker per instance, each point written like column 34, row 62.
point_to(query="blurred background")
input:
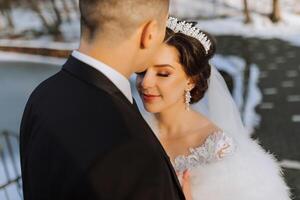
column 258, row 55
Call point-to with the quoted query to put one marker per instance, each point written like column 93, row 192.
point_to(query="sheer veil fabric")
column 217, row 105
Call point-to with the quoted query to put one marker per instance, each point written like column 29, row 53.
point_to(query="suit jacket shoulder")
column 75, row 127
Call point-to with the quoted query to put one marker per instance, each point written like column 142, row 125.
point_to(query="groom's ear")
column 149, row 34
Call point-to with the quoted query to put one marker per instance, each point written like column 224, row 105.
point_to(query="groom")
column 82, row 136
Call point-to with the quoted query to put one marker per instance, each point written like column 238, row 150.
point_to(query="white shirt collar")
column 120, row 81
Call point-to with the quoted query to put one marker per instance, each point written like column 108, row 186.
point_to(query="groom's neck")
column 120, row 58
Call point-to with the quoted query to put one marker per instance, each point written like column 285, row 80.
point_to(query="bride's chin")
column 152, row 108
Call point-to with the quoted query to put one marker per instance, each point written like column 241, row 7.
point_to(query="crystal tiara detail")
column 190, row 30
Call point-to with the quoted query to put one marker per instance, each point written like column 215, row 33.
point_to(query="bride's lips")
column 149, row 97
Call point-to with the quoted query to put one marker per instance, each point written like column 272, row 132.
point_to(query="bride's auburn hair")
column 194, row 59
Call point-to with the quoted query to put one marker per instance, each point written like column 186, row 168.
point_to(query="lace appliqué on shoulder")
column 217, row 146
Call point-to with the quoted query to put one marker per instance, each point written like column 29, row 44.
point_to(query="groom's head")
column 140, row 22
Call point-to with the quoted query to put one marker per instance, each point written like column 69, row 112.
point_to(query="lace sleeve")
column 223, row 145
column 217, row 146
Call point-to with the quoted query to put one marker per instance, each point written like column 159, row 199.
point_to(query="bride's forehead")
column 166, row 55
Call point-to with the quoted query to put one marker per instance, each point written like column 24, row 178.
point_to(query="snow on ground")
column 287, row 30
column 18, row 57
column 25, row 20
column 233, row 21
column 44, row 42
column 235, row 66
column 206, row 12
column 290, row 164
column 213, row 8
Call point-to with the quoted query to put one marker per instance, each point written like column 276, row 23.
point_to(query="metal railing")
column 10, row 173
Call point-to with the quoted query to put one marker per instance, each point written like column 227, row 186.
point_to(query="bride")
column 185, row 101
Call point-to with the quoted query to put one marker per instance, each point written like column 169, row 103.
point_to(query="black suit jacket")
column 82, row 139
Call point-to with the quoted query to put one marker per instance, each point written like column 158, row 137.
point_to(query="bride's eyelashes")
column 141, row 73
column 163, row 74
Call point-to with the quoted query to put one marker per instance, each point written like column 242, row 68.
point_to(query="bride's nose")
column 148, row 81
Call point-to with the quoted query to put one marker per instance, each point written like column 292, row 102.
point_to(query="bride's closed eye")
column 163, row 74
column 141, row 73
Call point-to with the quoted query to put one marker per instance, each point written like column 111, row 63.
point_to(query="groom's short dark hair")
column 118, row 15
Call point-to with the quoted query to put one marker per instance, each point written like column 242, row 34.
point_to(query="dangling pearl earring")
column 187, row 100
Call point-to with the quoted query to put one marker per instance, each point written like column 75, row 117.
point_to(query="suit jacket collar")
column 119, row 80
column 92, row 76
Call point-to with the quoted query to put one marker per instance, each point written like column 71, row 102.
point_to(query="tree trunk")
column 75, row 6
column 35, row 7
column 9, row 19
column 5, row 7
column 55, row 27
column 276, row 14
column 58, row 19
column 66, row 10
column 246, row 12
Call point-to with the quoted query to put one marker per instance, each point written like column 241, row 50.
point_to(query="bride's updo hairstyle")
column 194, row 59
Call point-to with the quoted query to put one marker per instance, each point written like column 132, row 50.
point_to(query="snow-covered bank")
column 18, row 57
column 232, row 22
column 220, row 17
column 235, row 67
column 39, row 43
column 27, row 24
column 261, row 27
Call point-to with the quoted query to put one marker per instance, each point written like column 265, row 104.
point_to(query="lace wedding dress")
column 224, row 168
column 216, row 147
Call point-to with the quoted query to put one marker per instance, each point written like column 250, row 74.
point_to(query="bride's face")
column 163, row 83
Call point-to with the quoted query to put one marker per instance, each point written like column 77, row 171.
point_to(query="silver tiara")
column 190, row 30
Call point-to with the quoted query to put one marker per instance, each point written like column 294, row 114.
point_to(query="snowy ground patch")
column 261, row 27
column 18, row 57
column 208, row 13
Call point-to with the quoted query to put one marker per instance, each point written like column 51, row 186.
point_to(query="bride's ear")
column 149, row 33
column 190, row 84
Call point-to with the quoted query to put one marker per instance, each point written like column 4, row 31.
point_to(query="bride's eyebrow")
column 164, row 65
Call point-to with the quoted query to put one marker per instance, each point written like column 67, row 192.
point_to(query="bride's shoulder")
column 218, row 143
column 217, row 146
